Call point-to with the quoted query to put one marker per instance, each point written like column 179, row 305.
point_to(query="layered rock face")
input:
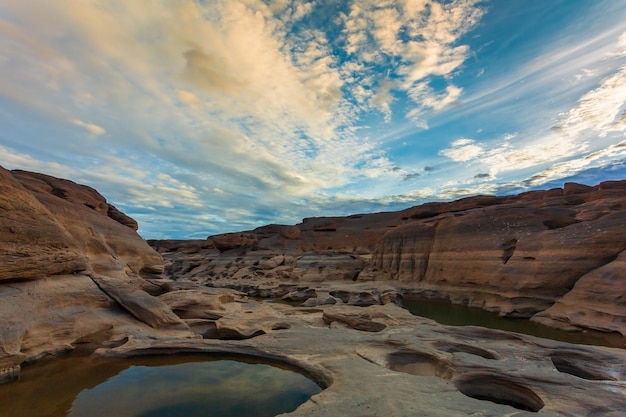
column 69, row 261
column 515, row 255
column 519, row 255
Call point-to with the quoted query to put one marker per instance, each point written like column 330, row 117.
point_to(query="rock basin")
column 156, row 386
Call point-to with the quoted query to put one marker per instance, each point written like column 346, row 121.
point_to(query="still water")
column 459, row 315
column 186, row 386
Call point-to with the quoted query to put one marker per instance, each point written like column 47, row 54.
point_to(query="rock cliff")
column 555, row 256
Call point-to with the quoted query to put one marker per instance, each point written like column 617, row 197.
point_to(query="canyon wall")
column 556, row 256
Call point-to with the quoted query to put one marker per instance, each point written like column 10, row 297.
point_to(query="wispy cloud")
column 420, row 40
column 462, row 150
column 222, row 114
column 93, row 129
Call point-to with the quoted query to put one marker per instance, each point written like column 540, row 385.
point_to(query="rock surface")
column 76, row 276
column 517, row 256
column 382, row 361
column 55, row 236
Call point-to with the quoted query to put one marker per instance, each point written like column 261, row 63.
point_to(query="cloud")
column 463, row 150
column 600, row 110
column 602, row 157
column 226, row 113
column 93, row 129
column 421, row 38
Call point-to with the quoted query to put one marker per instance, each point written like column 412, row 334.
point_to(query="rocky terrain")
column 75, row 275
column 557, row 256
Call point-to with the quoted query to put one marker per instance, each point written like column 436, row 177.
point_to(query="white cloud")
column 302, row 9
column 422, row 37
column 15, row 160
column 93, row 129
column 463, row 150
column 601, row 110
column 602, row 157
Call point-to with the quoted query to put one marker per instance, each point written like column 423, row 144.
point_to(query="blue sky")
column 201, row 117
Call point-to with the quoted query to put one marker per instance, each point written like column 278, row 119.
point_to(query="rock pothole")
column 418, row 363
column 588, row 367
column 499, row 389
column 463, row 348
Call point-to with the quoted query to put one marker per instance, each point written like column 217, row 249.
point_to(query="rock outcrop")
column 514, row 255
column 76, row 276
column 69, row 261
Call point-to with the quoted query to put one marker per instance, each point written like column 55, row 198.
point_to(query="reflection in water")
column 459, row 315
column 154, row 387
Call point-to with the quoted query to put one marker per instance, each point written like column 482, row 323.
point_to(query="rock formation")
column 69, row 260
column 555, row 256
column 76, row 276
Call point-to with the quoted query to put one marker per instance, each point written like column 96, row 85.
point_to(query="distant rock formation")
column 556, row 256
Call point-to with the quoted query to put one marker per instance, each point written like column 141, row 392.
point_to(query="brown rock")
column 357, row 318
column 33, row 243
column 121, row 218
column 597, row 301
column 144, row 307
column 229, row 241
column 290, row 232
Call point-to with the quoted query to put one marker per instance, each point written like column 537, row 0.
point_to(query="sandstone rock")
column 9, row 374
column 122, row 218
column 199, row 303
column 65, row 227
column 597, row 301
column 290, row 232
column 300, row 294
column 271, row 263
column 358, row 318
column 570, row 188
column 229, row 241
column 514, row 255
column 320, row 300
column 146, row 308
column 328, row 266
column 51, row 315
column 33, row 244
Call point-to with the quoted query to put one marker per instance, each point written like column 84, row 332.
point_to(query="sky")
column 198, row 117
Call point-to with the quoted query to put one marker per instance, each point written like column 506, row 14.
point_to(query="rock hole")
column 417, row 363
column 500, row 390
column 460, row 347
column 281, row 326
column 586, row 366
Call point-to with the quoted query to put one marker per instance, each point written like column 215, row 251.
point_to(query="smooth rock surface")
column 409, row 366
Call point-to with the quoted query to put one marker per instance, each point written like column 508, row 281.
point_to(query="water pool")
column 188, row 386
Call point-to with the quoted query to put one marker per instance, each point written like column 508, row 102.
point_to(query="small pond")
column 459, row 315
column 185, row 386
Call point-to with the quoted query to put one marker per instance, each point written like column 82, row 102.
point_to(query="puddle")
column 187, row 386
